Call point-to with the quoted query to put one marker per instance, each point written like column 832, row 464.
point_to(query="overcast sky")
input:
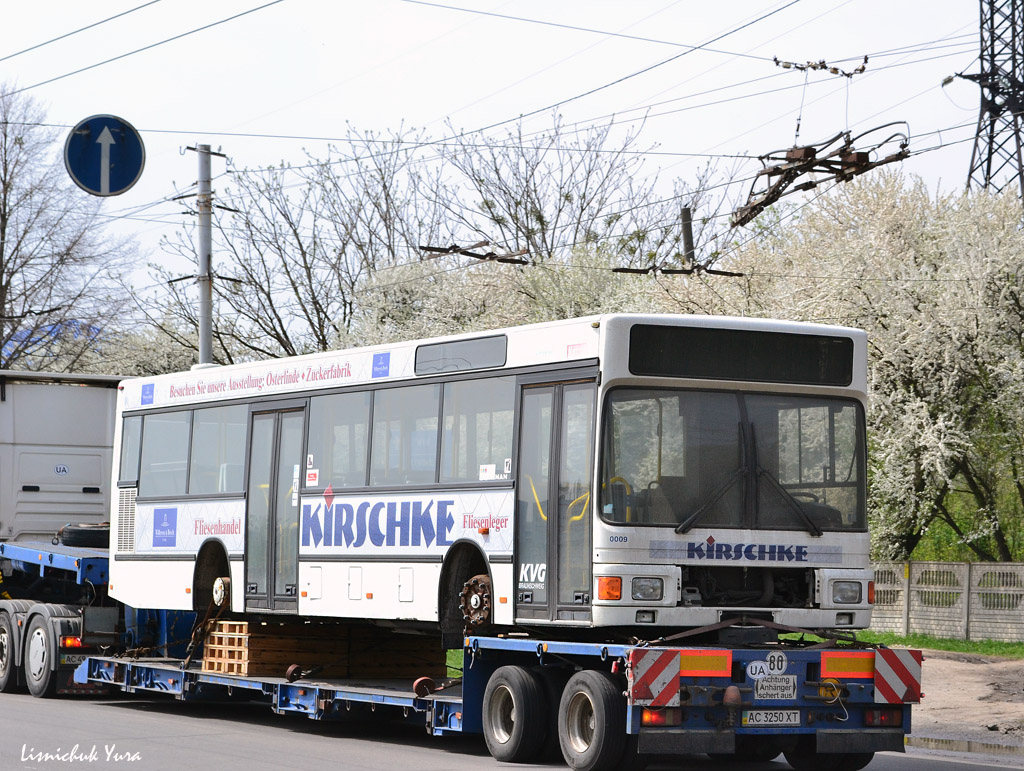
column 286, row 76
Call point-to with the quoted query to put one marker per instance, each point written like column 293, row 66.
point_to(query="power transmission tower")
column 996, row 161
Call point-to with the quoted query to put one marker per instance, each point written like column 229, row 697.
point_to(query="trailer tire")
column 8, row 671
column 804, row 760
column 592, row 721
column 38, row 657
column 89, row 536
column 514, row 715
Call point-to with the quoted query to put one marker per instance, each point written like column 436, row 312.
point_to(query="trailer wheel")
column 38, row 658
column 8, row 672
column 592, row 721
column 514, row 715
column 804, row 760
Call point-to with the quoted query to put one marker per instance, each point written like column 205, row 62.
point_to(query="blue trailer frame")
column 755, row 701
column 841, row 717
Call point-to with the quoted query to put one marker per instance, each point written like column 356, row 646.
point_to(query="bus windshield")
column 690, row 459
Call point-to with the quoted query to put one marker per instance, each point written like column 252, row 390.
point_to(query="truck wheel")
column 8, row 672
column 38, row 658
column 514, row 715
column 592, row 721
column 803, row 760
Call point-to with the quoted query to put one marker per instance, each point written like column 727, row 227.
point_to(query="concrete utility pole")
column 996, row 162
column 204, row 199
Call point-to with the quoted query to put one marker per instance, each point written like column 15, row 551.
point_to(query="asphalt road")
column 159, row 735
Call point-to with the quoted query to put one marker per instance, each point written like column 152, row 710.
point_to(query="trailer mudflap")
column 862, row 740
column 686, row 741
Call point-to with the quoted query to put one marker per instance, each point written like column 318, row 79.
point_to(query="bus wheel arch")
column 211, row 564
column 463, row 564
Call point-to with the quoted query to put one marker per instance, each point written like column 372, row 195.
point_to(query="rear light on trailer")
column 609, row 588
column 883, row 718
column 70, row 641
column 659, row 718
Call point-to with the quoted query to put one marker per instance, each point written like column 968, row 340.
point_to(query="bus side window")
column 338, row 432
column 404, row 442
column 218, row 449
column 165, row 438
column 131, row 441
column 477, row 437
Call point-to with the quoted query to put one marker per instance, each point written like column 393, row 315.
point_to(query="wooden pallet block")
column 339, row 650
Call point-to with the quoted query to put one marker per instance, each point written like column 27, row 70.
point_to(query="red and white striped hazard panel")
column 654, row 677
column 897, row 676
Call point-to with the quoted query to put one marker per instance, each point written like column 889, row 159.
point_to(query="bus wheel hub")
column 475, row 600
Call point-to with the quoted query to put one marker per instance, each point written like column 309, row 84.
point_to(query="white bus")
column 622, row 472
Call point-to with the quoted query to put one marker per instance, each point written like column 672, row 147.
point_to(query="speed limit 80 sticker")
column 775, row 663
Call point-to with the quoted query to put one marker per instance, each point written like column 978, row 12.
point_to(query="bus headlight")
column 648, row 589
column 847, row 592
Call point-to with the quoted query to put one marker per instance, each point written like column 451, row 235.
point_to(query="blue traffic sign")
column 104, row 155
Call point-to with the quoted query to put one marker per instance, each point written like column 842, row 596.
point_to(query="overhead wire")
column 80, row 29
column 577, row 28
column 127, row 216
column 144, row 48
column 624, row 78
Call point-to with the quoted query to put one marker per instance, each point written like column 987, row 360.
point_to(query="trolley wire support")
column 509, row 258
column 837, row 159
column 997, row 160
column 823, row 66
column 692, row 269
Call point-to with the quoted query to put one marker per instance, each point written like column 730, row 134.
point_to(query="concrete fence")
column 958, row 600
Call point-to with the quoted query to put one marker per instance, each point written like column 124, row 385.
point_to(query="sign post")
column 104, row 155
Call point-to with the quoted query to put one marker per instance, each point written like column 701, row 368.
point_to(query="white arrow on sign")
column 105, row 140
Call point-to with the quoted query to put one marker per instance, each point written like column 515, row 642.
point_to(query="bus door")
column 554, row 518
column 272, row 508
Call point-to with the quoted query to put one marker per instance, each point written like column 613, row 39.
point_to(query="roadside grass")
column 1009, row 650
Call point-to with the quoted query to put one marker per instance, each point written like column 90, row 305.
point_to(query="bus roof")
column 541, row 343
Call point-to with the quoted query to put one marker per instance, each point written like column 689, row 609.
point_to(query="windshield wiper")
column 792, row 502
column 687, row 524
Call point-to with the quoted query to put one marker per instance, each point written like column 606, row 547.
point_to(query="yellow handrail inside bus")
column 583, row 513
column 629, row 491
column 540, row 508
